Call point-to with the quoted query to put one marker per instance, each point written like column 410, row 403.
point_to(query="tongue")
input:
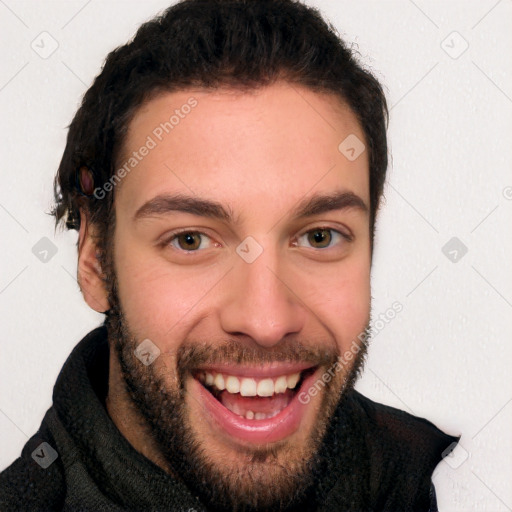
column 269, row 406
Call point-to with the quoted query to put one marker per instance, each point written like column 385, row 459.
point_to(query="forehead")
column 275, row 143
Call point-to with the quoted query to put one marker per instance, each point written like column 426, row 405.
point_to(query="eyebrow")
column 315, row 205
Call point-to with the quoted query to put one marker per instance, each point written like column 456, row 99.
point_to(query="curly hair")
column 210, row 44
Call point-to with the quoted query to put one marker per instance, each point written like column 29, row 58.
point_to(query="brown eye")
column 320, row 238
column 188, row 240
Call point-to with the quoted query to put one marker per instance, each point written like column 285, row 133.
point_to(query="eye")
column 322, row 238
column 189, row 241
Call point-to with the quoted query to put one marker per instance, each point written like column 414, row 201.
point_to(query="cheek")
column 161, row 300
column 345, row 303
column 154, row 298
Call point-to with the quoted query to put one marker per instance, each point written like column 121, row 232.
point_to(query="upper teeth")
column 247, row 386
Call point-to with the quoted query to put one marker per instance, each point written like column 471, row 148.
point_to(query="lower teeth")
column 250, row 415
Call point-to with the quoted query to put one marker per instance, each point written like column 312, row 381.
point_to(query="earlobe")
column 90, row 274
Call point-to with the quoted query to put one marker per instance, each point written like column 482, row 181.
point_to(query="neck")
column 128, row 419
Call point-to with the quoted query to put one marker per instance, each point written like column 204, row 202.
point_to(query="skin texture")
column 259, row 154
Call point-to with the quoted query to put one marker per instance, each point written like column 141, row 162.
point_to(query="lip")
column 270, row 430
column 261, row 371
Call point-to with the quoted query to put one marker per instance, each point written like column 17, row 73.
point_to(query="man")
column 224, row 172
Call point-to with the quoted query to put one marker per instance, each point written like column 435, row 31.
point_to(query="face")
column 242, row 252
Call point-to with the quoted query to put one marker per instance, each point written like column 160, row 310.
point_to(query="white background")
column 445, row 356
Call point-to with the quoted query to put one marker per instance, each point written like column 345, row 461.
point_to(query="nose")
column 260, row 302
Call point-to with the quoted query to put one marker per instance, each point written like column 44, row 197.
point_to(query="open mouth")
column 258, row 405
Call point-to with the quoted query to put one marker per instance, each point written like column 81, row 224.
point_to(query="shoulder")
column 394, row 426
column 403, row 451
column 35, row 480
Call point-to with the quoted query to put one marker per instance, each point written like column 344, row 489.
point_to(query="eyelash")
column 174, row 236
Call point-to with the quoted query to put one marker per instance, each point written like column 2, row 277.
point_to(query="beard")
column 270, row 477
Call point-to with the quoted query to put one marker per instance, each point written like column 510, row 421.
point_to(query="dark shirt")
column 374, row 457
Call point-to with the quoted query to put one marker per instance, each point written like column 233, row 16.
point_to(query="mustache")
column 191, row 356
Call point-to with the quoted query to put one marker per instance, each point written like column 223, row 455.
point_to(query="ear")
column 90, row 274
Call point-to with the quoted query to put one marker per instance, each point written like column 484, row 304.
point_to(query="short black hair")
column 210, row 44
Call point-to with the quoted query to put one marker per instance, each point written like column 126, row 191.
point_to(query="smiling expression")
column 242, row 251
